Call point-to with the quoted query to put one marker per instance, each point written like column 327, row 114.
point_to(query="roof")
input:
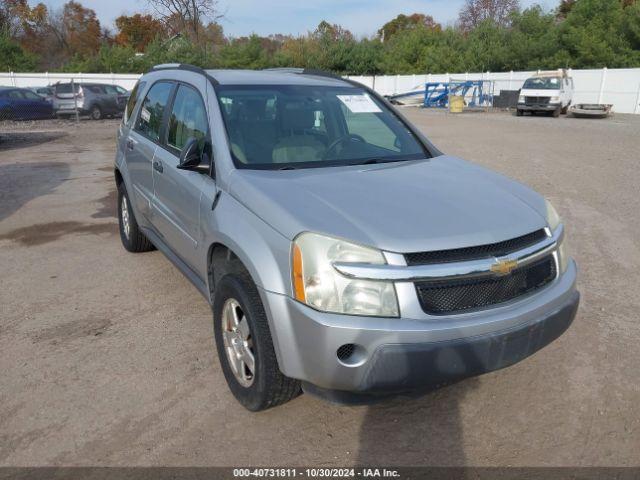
column 282, row 76
column 273, row 77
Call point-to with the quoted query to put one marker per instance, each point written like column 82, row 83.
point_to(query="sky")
column 243, row 17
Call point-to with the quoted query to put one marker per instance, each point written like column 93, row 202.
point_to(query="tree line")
column 489, row 35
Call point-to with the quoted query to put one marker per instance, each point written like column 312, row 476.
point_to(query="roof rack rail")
column 183, row 66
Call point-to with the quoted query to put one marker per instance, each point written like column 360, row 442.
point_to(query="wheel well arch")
column 118, row 177
column 220, row 261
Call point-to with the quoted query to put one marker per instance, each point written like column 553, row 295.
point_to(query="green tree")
column 14, row 58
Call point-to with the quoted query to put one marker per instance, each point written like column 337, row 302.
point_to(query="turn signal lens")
column 298, row 280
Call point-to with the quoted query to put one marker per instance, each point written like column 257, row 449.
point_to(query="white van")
column 546, row 92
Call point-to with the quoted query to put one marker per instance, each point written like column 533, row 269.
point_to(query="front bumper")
column 546, row 107
column 400, row 354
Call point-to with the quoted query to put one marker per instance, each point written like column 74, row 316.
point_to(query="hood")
column 433, row 204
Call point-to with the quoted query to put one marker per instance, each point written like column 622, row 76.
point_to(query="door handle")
column 130, row 144
column 157, row 165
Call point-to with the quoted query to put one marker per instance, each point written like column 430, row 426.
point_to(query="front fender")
column 264, row 252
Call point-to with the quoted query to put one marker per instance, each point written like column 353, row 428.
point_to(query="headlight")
column 318, row 284
column 521, row 99
column 554, row 99
column 553, row 219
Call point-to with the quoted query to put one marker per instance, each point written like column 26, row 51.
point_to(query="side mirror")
column 190, row 155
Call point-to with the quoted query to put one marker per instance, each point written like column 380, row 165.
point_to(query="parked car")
column 23, row 104
column 549, row 92
column 94, row 99
column 340, row 250
column 45, row 92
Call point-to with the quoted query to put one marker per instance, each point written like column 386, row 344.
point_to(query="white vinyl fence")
column 619, row 86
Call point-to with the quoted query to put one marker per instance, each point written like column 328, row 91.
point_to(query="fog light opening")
column 351, row 354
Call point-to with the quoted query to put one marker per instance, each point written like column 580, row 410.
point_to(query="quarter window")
column 152, row 110
column 188, row 118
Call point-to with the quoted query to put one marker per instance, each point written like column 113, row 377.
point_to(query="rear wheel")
column 132, row 238
column 95, row 113
column 245, row 347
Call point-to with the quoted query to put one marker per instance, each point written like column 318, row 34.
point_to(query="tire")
column 6, row 114
column 95, row 113
column 133, row 240
column 556, row 112
column 565, row 109
column 518, row 112
column 266, row 386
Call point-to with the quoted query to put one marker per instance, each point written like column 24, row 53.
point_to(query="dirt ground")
column 108, row 358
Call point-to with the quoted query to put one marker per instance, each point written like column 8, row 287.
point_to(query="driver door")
column 177, row 192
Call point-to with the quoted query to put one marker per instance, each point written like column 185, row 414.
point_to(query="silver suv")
column 96, row 100
column 341, row 252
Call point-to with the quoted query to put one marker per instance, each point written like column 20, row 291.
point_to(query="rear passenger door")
column 177, row 192
column 141, row 144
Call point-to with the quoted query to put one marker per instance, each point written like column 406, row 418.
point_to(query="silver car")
column 341, row 252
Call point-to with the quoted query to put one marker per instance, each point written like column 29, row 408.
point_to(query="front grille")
column 453, row 296
column 498, row 249
column 536, row 100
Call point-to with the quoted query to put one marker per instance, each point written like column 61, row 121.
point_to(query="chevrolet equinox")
column 342, row 253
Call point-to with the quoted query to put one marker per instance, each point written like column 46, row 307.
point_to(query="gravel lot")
column 108, row 357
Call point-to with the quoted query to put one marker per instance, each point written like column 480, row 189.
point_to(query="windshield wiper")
column 288, row 167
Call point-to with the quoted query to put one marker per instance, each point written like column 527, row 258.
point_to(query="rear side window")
column 133, row 101
column 110, row 90
column 16, row 95
column 188, row 118
column 152, row 110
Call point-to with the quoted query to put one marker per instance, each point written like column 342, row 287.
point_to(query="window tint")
column 188, row 118
column 133, row 100
column 152, row 109
column 66, row 88
column 119, row 89
column 31, row 96
column 16, row 95
column 110, row 90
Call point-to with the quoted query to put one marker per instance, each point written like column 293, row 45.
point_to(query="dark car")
column 94, row 99
column 23, row 104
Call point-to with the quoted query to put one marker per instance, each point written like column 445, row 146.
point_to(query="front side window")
column 152, row 110
column 299, row 126
column 133, row 100
column 188, row 118
column 29, row 95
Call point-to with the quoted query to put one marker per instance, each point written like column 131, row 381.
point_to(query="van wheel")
column 95, row 113
column 245, row 347
column 518, row 112
column 132, row 238
column 556, row 112
column 565, row 109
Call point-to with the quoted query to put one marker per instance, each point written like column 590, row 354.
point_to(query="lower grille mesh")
column 452, row 296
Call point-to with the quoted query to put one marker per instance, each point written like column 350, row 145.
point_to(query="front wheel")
column 245, row 347
column 518, row 112
column 556, row 112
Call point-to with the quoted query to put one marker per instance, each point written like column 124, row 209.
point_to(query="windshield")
column 543, row 83
column 295, row 126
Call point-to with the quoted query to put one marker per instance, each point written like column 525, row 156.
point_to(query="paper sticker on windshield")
column 145, row 115
column 359, row 103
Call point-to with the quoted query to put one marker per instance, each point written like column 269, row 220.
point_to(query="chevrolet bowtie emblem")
column 503, row 267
